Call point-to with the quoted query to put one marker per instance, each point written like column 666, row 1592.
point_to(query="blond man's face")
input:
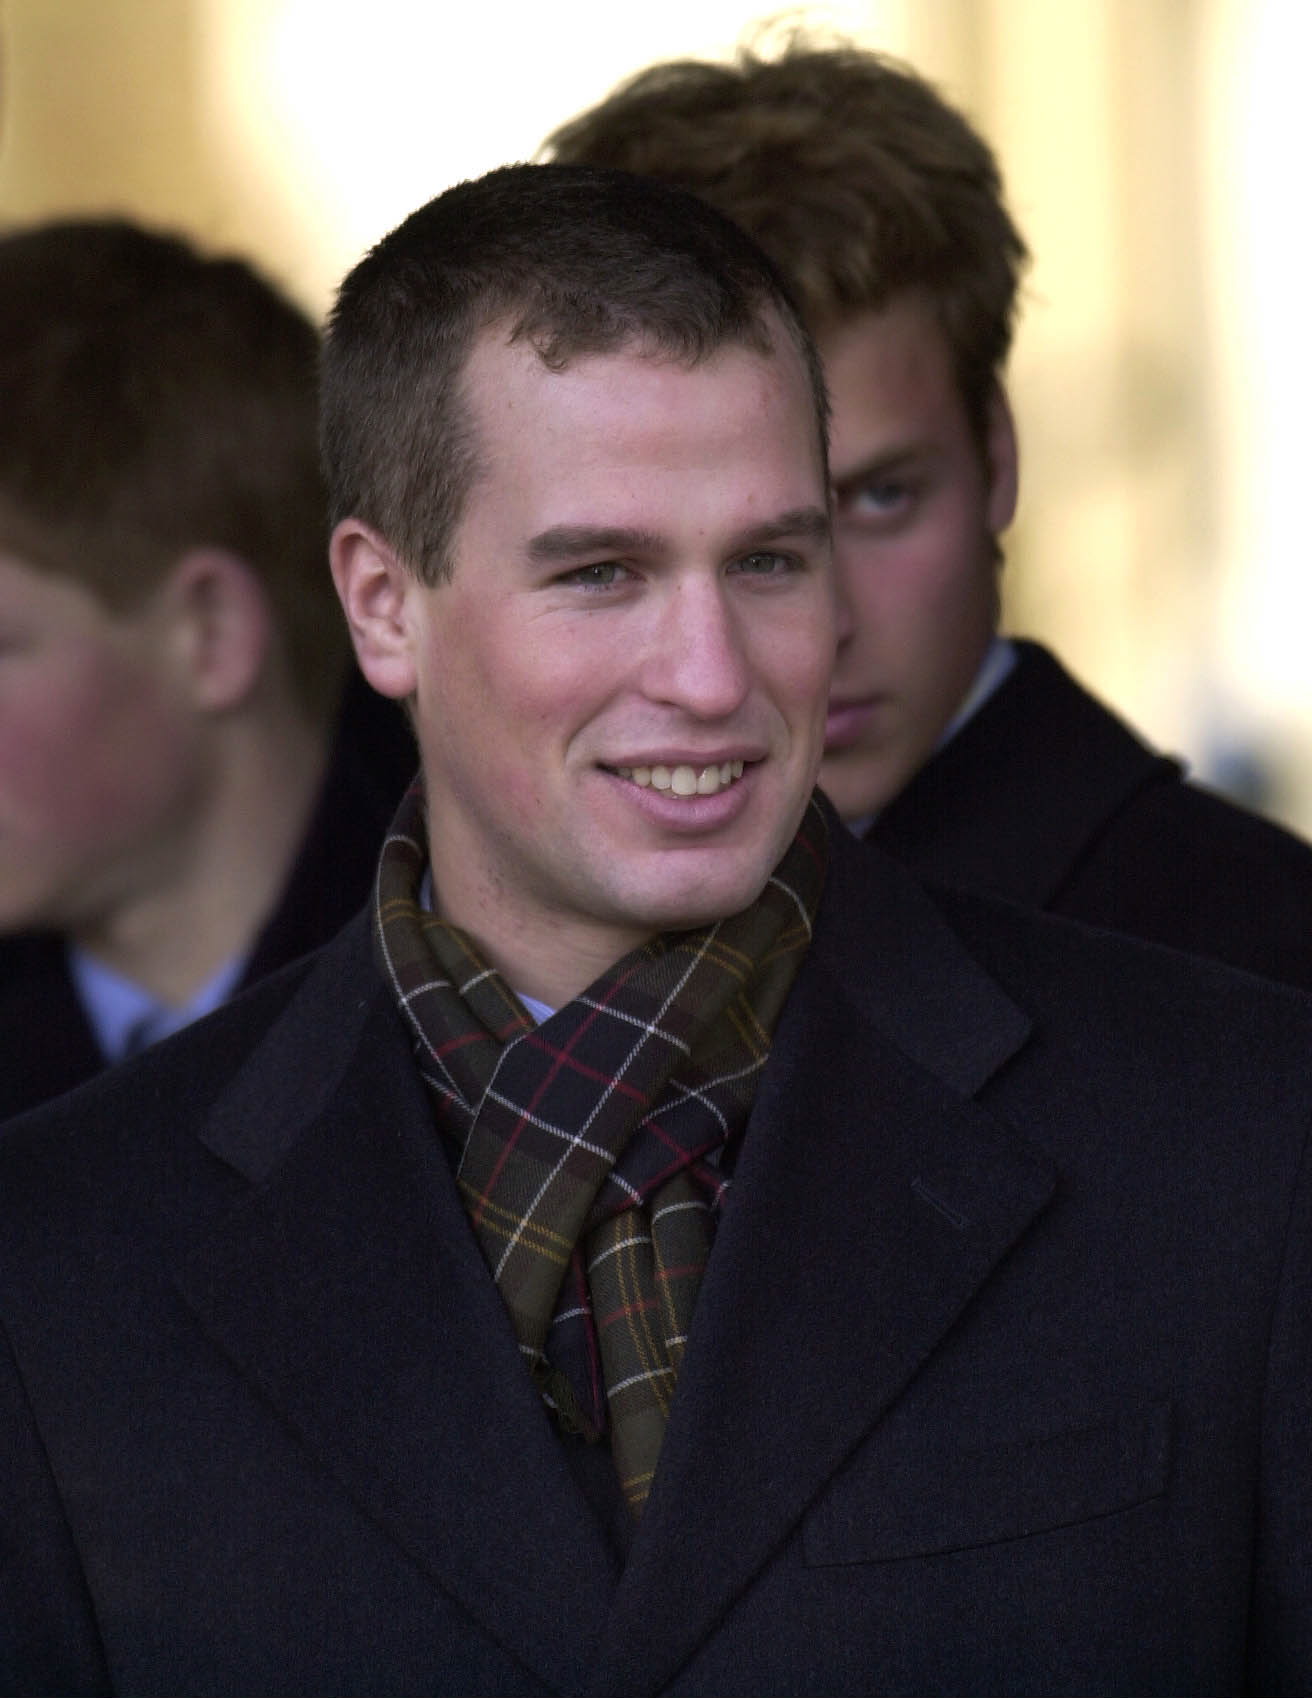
column 918, row 507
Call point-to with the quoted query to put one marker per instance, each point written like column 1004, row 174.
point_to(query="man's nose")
column 697, row 659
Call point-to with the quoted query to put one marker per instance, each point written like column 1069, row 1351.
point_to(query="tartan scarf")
column 586, row 1147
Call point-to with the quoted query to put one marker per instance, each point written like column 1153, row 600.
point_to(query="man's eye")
column 877, row 500
column 763, row 564
column 597, row 577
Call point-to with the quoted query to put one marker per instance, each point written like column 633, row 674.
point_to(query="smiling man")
column 619, row 693
column 653, row 1249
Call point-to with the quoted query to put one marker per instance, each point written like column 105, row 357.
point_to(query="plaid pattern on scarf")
column 587, row 1145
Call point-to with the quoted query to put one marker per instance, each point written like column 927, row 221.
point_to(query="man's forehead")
column 510, row 391
column 901, row 345
column 612, row 454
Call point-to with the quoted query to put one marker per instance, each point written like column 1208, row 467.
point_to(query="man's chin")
column 701, row 902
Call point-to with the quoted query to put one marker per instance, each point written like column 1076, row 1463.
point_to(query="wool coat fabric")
column 1046, row 798
column 998, row 1380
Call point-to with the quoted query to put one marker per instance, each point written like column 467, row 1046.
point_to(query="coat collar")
column 986, row 814
column 872, row 1198
column 348, row 1287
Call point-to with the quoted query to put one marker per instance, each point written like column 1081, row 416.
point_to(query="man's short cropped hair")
column 853, row 173
column 572, row 260
column 153, row 400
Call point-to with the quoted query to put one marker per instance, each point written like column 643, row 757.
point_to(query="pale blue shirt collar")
column 125, row 1018
column 995, row 669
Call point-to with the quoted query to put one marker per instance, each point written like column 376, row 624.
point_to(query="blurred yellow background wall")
column 1153, row 161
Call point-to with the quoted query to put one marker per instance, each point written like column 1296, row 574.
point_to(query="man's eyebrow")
column 882, row 465
column 570, row 542
column 810, row 524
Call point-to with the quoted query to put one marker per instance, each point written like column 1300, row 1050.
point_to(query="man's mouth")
column 848, row 720
column 683, row 780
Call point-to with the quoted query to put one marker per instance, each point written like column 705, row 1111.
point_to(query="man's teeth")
column 683, row 780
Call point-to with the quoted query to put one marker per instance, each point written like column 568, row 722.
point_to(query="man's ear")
column 219, row 625
column 374, row 588
column 1002, row 462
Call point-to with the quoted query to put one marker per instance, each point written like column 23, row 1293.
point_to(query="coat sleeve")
column 48, row 1638
column 1280, row 1638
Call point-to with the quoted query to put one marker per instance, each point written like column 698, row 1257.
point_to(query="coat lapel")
column 871, row 1201
column 986, row 813
column 348, row 1287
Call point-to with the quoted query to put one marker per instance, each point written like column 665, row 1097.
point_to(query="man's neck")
column 545, row 966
